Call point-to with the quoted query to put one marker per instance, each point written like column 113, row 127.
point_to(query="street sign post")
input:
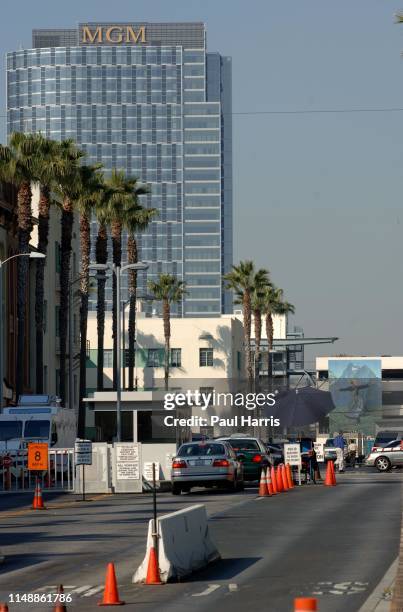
column 292, row 456
column 83, row 457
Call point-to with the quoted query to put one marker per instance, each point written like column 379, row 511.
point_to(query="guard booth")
column 126, row 466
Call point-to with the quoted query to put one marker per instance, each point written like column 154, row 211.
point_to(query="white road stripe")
column 81, row 589
column 93, row 591
column 54, row 587
column 232, row 587
column 210, row 589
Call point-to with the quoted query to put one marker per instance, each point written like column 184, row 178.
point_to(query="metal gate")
column 15, row 476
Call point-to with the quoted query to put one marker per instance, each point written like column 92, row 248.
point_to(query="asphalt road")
column 333, row 543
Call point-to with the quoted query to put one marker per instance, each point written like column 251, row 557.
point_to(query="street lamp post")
column 117, row 270
column 32, row 255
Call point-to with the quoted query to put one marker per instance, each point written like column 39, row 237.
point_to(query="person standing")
column 352, row 452
column 340, row 444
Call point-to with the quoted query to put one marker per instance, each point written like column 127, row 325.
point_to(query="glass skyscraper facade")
column 148, row 99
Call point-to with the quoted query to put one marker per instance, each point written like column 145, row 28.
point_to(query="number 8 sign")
column 38, row 456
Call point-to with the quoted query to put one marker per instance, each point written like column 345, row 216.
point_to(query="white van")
column 37, row 418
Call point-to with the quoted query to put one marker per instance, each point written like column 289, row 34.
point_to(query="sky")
column 317, row 196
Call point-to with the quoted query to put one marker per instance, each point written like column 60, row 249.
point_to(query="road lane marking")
column 93, row 591
column 232, row 587
column 210, row 589
column 81, row 589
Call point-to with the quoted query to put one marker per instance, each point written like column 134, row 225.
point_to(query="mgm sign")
column 114, row 35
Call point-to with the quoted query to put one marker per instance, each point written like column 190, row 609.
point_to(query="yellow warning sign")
column 38, row 456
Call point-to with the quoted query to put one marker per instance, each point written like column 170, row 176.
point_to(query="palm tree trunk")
column 166, row 316
column 116, row 231
column 85, row 244
column 24, row 214
column 43, row 235
column 257, row 319
column 67, row 232
column 132, row 257
column 101, row 255
column 247, row 333
column 269, row 334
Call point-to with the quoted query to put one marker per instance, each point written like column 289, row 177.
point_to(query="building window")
column 57, row 382
column 45, row 378
column 206, row 357
column 57, row 257
column 153, row 358
column 108, row 358
column 45, row 316
column 176, row 358
column 57, row 321
column 238, row 359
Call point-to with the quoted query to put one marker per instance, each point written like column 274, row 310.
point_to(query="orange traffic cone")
column 3, row 607
column 279, row 480
column 111, row 595
column 284, row 477
column 273, row 480
column 329, row 475
column 60, row 605
column 153, row 571
column 334, row 483
column 38, row 500
column 288, row 472
column 263, row 484
column 302, row 604
column 270, row 488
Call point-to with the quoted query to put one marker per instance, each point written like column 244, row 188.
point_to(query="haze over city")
column 316, row 195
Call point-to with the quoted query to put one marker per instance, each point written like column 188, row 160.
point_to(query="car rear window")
column 330, row 442
column 238, row 445
column 197, row 450
column 385, row 438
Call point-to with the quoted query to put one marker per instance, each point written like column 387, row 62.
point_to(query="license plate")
column 199, row 462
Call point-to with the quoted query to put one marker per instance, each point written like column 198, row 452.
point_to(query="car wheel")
column 240, row 485
column 186, row 489
column 176, row 489
column 383, row 464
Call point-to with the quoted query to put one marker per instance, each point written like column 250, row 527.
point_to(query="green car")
column 251, row 452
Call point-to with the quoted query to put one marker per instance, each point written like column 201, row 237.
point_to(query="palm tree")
column 273, row 303
column 242, row 279
column 90, row 186
column 68, row 183
column 101, row 257
column 168, row 290
column 257, row 305
column 17, row 166
column 123, row 192
column 48, row 167
column 137, row 220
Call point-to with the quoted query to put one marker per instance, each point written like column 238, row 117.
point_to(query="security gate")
column 15, row 476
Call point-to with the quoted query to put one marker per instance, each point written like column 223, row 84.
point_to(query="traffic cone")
column 270, row 488
column 60, row 606
column 273, row 480
column 334, row 483
column 329, row 475
column 111, row 595
column 38, row 500
column 302, row 604
column 3, row 607
column 288, row 472
column 279, row 480
column 263, row 484
column 284, row 477
column 153, row 571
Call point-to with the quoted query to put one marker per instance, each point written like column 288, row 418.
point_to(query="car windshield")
column 36, row 429
column 330, row 442
column 383, row 440
column 197, row 450
column 238, row 445
column 10, row 430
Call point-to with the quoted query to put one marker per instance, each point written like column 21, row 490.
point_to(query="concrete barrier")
column 184, row 544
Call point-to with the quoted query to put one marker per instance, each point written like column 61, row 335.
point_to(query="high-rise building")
column 149, row 99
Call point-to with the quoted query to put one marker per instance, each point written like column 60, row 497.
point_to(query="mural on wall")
column 356, row 387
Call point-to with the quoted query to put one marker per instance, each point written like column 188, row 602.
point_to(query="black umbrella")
column 301, row 406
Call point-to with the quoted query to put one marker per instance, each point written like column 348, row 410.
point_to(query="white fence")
column 15, row 476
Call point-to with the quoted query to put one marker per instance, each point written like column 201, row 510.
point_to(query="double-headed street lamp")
column 32, row 255
column 117, row 271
